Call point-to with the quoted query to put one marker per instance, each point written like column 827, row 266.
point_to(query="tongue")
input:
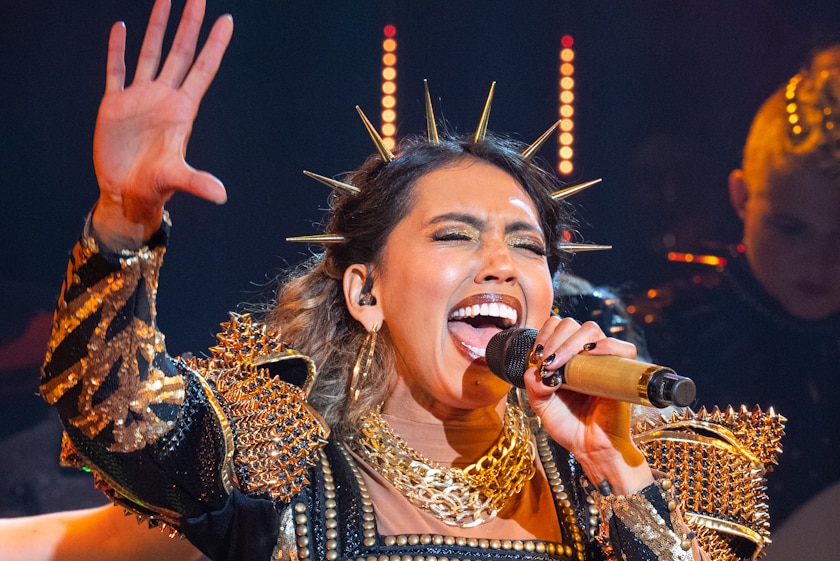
column 475, row 337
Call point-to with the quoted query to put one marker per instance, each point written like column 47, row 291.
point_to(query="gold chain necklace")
column 459, row 497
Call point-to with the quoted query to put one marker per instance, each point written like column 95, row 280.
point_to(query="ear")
column 739, row 192
column 353, row 282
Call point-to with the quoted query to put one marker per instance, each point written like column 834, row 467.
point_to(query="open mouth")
column 474, row 321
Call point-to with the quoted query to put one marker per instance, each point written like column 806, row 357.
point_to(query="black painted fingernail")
column 590, row 346
column 538, row 353
column 552, row 380
column 549, row 359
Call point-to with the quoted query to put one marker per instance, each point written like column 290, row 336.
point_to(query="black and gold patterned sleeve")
column 213, row 447
column 148, row 426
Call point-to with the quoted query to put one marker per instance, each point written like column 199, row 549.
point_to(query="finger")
column 610, row 346
column 209, row 59
column 543, row 387
column 207, row 186
column 563, row 338
column 181, row 54
column 149, row 59
column 115, row 66
column 200, row 184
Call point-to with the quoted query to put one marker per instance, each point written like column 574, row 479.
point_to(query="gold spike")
column 481, row 131
column 333, row 183
column 581, row 247
column 318, row 238
column 529, row 152
column 377, row 140
column 431, row 125
column 730, row 415
column 573, row 190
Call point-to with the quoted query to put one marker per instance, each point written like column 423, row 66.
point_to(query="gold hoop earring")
column 363, row 363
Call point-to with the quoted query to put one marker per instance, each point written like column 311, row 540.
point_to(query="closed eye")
column 527, row 242
column 532, row 247
column 451, row 237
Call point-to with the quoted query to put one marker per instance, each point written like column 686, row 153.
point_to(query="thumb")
column 204, row 185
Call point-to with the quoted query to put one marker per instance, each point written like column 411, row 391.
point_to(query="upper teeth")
column 494, row 309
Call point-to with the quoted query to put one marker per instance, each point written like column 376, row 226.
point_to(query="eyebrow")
column 479, row 224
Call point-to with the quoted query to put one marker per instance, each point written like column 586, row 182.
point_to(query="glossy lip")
column 485, row 298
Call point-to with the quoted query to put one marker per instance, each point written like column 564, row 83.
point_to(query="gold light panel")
column 565, row 105
column 389, row 86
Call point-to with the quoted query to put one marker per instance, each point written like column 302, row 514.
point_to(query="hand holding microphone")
column 613, row 377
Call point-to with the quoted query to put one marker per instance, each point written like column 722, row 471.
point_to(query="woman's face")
column 466, row 262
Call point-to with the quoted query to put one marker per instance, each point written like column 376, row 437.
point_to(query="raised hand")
column 142, row 130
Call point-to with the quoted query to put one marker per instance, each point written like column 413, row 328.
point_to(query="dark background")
column 665, row 93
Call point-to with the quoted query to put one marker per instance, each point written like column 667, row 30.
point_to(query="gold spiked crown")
column 433, row 138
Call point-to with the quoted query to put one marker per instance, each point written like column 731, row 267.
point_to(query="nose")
column 497, row 264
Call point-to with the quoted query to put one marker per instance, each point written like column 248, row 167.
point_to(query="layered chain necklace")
column 464, row 497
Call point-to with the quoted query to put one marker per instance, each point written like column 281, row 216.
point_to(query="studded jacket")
column 226, row 451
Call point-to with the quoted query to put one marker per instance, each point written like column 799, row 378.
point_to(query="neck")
column 456, row 439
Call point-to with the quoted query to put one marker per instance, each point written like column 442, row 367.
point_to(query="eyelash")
column 533, row 247
column 451, row 237
column 527, row 245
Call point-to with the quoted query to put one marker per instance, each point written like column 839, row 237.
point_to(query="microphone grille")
column 507, row 354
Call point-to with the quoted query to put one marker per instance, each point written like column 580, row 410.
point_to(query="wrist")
column 625, row 474
column 111, row 229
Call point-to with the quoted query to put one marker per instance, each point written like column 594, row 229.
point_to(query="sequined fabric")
column 170, row 439
column 105, row 368
column 649, row 518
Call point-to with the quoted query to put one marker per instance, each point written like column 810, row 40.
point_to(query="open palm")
column 142, row 130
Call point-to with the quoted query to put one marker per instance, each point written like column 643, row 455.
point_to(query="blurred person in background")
column 763, row 323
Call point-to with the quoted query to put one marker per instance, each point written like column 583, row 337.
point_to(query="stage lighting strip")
column 389, row 86
column 565, row 106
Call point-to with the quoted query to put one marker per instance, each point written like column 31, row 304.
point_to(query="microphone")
column 613, row 377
